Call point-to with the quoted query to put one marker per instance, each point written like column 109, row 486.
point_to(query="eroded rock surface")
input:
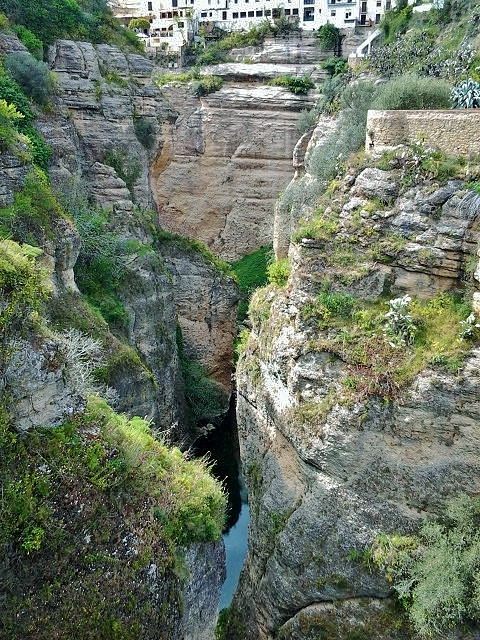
column 326, row 475
column 223, row 164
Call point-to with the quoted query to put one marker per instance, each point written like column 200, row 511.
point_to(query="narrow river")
column 221, row 446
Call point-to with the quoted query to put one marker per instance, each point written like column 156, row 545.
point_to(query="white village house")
column 174, row 22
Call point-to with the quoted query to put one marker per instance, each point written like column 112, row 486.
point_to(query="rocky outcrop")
column 223, row 163
column 103, row 93
column 205, row 301
column 327, row 471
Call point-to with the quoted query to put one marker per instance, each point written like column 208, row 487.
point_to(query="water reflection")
column 223, row 449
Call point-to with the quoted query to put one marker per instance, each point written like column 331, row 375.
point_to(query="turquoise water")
column 222, row 449
column 236, row 550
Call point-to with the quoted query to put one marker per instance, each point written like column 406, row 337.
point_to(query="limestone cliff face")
column 102, row 95
column 328, row 471
column 223, row 163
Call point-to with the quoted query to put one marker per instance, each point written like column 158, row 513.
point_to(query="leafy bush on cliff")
column 87, row 509
column 31, row 74
column 297, row 85
column 436, row 575
column 33, row 214
column 89, row 20
column 409, row 91
column 12, row 93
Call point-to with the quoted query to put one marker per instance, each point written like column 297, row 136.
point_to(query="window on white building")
column 243, row 14
column 149, row 6
column 235, row 15
column 333, row 13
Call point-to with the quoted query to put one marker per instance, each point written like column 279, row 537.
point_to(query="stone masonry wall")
column 454, row 131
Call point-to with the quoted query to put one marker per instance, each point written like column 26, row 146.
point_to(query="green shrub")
column 87, row 508
column 145, row 130
column 395, row 21
column 204, row 397
column 9, row 117
column 307, row 120
column 31, row 74
column 328, row 36
column 295, row 84
column 30, row 40
column 22, row 285
column 251, row 273
column 411, row 92
column 278, row 272
column 206, row 84
column 436, row 575
column 11, row 92
column 89, row 20
column 335, row 66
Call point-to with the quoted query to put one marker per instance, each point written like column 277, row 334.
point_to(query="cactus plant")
column 466, row 95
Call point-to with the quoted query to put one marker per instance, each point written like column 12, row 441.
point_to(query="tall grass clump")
column 409, row 91
column 349, row 136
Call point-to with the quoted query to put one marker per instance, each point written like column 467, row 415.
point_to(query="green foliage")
column 139, row 23
column 4, row 24
column 30, row 40
column 251, row 273
column 216, row 51
column 436, row 575
column 295, row 84
column 408, row 91
column 307, row 120
column 278, row 272
column 395, row 21
column 99, row 269
column 33, row 213
column 11, row 92
column 89, row 20
column 335, row 66
column 113, row 77
column 9, row 137
column 86, row 509
column 204, row 397
column 466, row 95
column 328, row 36
column 201, row 84
column 326, row 160
column 22, row 285
column 145, row 130
column 206, row 84
column 380, row 365
column 31, row 74
column 127, row 168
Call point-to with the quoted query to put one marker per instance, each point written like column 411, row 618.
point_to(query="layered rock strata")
column 223, row 163
column 328, row 471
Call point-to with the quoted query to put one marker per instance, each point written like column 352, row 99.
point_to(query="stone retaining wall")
column 455, row 131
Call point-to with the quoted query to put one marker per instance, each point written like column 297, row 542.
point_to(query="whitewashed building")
column 174, row 22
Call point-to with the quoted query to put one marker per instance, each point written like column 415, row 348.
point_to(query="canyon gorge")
column 346, row 432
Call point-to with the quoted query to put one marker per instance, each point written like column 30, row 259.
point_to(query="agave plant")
column 466, row 95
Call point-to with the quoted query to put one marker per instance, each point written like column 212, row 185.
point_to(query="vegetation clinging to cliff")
column 435, row 575
column 98, row 496
column 89, row 20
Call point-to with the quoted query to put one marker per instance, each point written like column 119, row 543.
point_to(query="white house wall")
column 171, row 20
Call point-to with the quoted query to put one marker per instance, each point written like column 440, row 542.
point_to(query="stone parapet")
column 454, row 131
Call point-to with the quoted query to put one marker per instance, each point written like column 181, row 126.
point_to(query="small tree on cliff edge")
column 329, row 38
